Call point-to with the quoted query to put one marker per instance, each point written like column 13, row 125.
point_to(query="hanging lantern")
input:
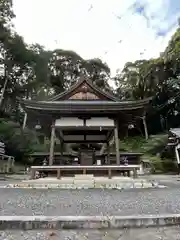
column 130, row 126
column 38, row 126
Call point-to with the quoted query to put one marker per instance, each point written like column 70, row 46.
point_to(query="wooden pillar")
column 25, row 120
column 145, row 127
column 61, row 146
column 102, row 149
column 108, row 151
column 116, row 138
column 52, row 141
column 177, row 154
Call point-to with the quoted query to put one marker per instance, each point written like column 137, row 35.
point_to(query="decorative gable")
column 84, row 89
column 84, row 92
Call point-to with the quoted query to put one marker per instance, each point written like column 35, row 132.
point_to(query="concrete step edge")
column 87, row 222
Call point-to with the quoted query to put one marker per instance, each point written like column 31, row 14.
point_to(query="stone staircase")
column 86, row 182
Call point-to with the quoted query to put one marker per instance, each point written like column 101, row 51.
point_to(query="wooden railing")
column 68, row 158
column 84, row 169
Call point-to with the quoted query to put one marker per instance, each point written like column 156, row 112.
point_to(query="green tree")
column 158, row 78
column 66, row 66
column 18, row 143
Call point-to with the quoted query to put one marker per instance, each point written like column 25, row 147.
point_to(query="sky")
column 117, row 31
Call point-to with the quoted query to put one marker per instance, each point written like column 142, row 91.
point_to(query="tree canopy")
column 159, row 78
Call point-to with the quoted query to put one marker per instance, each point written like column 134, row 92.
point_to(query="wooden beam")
column 87, row 141
column 61, row 136
column 25, row 120
column 85, row 128
column 62, row 147
column 145, row 127
column 86, row 132
column 52, row 141
column 110, row 135
column 116, row 137
column 108, row 153
column 103, row 148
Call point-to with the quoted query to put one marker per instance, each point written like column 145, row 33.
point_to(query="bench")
column 108, row 168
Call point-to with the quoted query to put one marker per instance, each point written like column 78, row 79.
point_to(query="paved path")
column 171, row 233
column 88, row 202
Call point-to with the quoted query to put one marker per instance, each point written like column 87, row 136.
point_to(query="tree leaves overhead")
column 171, row 54
column 159, row 78
column 98, row 72
column 6, row 12
column 30, row 71
column 66, row 66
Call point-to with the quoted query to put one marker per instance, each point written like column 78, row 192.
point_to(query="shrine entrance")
column 87, row 137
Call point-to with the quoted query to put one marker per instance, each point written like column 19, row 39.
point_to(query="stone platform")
column 86, row 182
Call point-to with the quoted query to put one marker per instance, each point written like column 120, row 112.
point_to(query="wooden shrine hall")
column 87, row 121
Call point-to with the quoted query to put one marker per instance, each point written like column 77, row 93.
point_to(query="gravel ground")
column 88, row 202
column 171, row 233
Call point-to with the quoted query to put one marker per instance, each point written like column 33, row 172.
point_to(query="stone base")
column 89, row 183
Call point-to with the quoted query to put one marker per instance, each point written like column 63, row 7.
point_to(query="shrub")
column 161, row 159
column 155, row 144
column 19, row 143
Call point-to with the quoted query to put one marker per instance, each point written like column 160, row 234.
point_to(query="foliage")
column 66, row 66
column 18, row 143
column 154, row 149
column 6, row 12
column 154, row 145
column 159, row 78
column 41, row 148
column 162, row 165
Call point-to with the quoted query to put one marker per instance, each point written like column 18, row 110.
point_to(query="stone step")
column 84, row 176
column 84, row 183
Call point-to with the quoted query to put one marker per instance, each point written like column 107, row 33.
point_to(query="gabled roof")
column 82, row 81
column 84, row 97
column 84, row 106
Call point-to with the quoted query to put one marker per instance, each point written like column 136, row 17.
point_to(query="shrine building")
column 86, row 119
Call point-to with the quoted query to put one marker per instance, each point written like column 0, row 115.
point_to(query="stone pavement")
column 164, row 179
column 88, row 202
column 93, row 202
column 166, row 233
